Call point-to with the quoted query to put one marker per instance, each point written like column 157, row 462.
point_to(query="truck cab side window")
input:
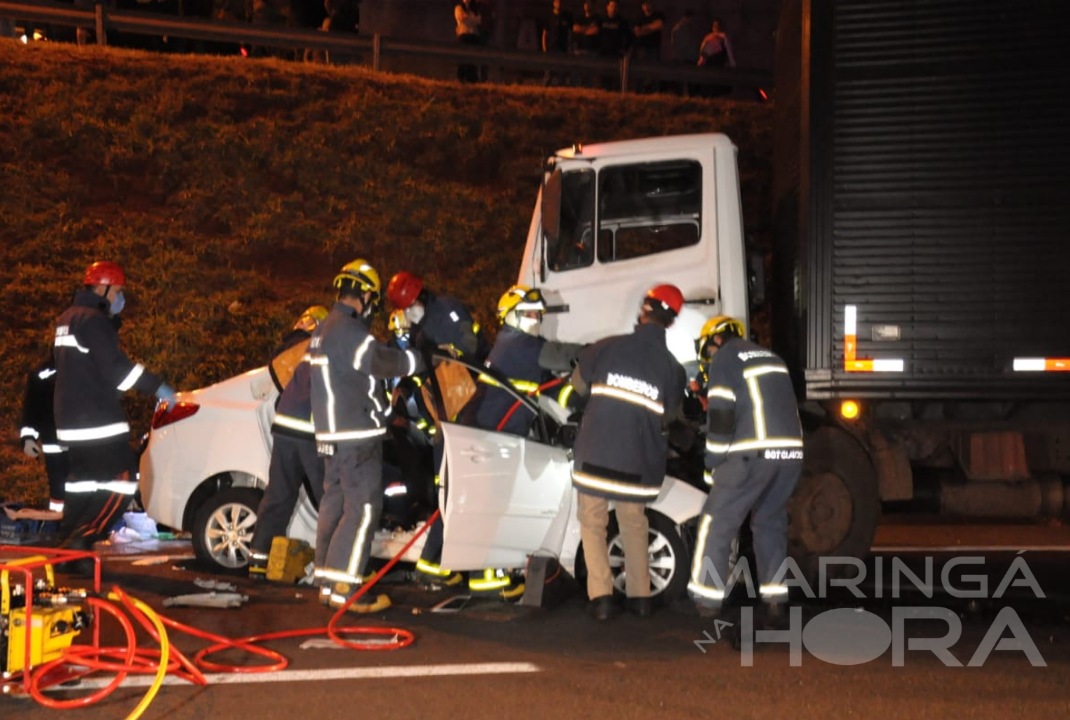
column 575, row 243
column 648, row 209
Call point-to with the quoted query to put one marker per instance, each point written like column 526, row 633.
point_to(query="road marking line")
column 397, row 671
column 969, row 548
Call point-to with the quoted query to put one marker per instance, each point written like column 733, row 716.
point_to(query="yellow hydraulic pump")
column 41, row 620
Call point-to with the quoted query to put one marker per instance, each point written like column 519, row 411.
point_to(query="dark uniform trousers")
column 292, row 460
column 431, row 555
column 349, row 512
column 743, row 484
column 98, row 491
column 57, row 468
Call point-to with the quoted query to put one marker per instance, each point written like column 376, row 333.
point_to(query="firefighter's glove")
column 683, row 436
column 31, row 448
column 165, row 393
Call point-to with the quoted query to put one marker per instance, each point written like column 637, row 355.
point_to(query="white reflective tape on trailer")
column 888, row 365
column 1028, row 364
column 880, row 365
column 850, row 320
column 853, row 363
column 1042, row 364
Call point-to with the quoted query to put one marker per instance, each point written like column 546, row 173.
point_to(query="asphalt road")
column 492, row 659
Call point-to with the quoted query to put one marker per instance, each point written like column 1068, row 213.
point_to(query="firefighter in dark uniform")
column 349, row 411
column 527, row 361
column 754, row 456
column 635, row 387
column 521, row 355
column 436, row 321
column 294, row 460
column 92, row 373
column 407, row 454
column 37, row 432
column 293, row 347
column 405, row 392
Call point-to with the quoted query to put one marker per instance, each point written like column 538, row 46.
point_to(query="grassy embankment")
column 231, row 190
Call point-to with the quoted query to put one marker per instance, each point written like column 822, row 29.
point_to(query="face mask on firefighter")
column 118, row 302
column 529, row 323
column 414, row 313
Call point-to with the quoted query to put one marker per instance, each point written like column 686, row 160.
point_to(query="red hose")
column 89, row 659
column 536, row 391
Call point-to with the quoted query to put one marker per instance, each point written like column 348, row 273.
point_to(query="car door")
column 503, row 498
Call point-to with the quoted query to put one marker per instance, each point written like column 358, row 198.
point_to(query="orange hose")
column 90, row 659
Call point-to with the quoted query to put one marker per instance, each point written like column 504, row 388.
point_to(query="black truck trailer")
column 921, row 258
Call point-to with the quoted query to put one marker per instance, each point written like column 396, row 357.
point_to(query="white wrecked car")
column 503, row 497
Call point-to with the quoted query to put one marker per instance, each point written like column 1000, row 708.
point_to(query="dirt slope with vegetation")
column 231, row 190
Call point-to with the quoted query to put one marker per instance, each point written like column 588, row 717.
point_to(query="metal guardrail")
column 627, row 72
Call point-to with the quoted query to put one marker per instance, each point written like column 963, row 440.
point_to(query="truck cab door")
column 623, row 217
column 503, row 497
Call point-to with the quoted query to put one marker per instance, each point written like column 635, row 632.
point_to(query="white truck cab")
column 615, row 219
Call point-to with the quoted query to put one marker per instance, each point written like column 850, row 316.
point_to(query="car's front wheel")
column 667, row 556
column 223, row 527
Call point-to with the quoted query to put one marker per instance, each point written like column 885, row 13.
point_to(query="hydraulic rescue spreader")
column 38, row 620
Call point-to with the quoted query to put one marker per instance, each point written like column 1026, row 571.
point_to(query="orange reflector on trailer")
column 1041, row 364
column 851, row 363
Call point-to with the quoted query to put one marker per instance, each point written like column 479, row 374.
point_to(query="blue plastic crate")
column 27, row 532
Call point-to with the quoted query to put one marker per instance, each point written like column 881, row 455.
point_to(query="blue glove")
column 165, row 393
column 31, row 447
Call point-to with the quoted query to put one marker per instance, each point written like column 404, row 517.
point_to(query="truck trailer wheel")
column 836, row 505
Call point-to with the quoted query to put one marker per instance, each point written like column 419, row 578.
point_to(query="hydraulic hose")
column 516, row 405
column 82, row 660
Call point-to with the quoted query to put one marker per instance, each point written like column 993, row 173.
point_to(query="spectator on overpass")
column 557, row 39
column 715, row 51
column 469, row 18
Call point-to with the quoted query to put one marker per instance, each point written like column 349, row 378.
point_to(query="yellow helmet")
column 311, row 317
column 398, row 323
column 359, row 275
column 717, row 326
column 520, row 298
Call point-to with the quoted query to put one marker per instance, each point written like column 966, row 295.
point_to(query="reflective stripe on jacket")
column 515, row 355
column 293, row 414
column 92, row 373
column 347, row 364
column 38, row 416
column 635, row 385
column 751, row 404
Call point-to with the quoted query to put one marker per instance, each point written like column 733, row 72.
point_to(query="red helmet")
column 668, row 297
column 104, row 273
column 403, row 289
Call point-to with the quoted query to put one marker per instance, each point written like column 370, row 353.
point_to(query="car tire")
column 223, row 527
column 670, row 560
